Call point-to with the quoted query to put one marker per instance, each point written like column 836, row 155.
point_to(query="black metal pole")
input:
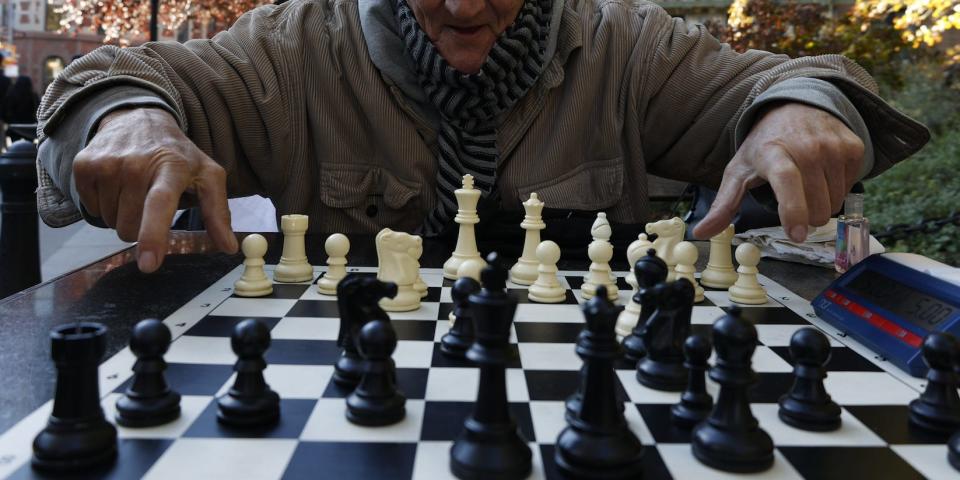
column 19, row 236
column 154, row 13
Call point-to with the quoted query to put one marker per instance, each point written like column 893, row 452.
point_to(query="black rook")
column 77, row 435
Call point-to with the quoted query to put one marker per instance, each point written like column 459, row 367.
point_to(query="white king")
column 467, row 199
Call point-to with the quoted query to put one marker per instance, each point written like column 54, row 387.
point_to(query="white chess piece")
column 396, row 263
column 336, row 246
column 420, row 286
column 547, row 288
column 600, row 252
column 747, row 289
column 631, row 313
column 685, row 253
column 254, row 282
column 293, row 266
column 669, row 234
column 524, row 272
column 470, row 268
column 467, row 218
column 719, row 272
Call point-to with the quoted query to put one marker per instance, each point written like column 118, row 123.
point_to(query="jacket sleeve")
column 696, row 96
column 228, row 94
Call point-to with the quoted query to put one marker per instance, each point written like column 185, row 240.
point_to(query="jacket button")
column 372, row 211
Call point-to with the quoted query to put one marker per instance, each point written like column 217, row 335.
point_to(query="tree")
column 125, row 21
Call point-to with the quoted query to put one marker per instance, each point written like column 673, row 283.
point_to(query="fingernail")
column 798, row 233
column 147, row 261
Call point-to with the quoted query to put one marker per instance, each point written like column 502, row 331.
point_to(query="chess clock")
column 890, row 302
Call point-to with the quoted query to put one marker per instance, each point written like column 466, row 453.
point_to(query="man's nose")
column 464, row 9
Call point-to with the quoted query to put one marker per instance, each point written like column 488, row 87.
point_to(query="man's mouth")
column 468, row 30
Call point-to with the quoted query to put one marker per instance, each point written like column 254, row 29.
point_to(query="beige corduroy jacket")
column 291, row 104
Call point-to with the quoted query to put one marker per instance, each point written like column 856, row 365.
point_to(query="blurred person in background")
column 20, row 106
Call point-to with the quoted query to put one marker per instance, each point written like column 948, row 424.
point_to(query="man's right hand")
column 133, row 172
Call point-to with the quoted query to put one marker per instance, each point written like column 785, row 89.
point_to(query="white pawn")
column 719, row 272
column 254, row 282
column 293, row 266
column 336, row 246
column 631, row 313
column 470, row 268
column 547, row 288
column 747, row 289
column 600, row 252
column 524, row 272
column 685, row 253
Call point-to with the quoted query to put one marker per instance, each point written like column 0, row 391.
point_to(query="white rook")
column 293, row 266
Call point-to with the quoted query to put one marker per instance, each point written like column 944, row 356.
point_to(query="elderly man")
column 366, row 113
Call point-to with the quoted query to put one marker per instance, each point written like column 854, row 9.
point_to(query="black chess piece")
column 953, row 451
column 662, row 368
column 250, row 402
column 937, row 411
column 77, row 436
column 573, row 402
column 358, row 298
column 456, row 341
column 808, row 405
column 148, row 401
column 490, row 445
column 695, row 403
column 731, row 438
column 376, row 400
column 650, row 270
column 597, row 443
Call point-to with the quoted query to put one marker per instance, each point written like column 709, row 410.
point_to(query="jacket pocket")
column 364, row 199
column 590, row 186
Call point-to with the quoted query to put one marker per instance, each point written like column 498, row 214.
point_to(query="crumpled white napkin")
column 819, row 249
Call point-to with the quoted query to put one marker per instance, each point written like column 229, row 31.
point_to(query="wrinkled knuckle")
column 164, row 195
column 786, row 171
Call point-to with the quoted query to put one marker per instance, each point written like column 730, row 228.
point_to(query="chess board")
column 314, row 439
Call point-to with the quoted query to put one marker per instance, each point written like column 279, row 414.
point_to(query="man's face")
column 464, row 30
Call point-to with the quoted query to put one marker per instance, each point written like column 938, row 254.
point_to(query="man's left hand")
column 809, row 157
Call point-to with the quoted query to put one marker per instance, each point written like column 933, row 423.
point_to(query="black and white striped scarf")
column 470, row 104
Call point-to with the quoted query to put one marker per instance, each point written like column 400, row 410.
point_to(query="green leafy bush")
column 926, row 185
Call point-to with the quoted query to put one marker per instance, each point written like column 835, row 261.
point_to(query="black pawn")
column 937, row 410
column 695, row 403
column 77, row 436
column 376, row 400
column 148, row 401
column 490, row 445
column 649, row 271
column 250, row 402
column 808, row 405
column 731, row 438
column 597, row 443
column 358, row 298
column 457, row 341
column 662, row 367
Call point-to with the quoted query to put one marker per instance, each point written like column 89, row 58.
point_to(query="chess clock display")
column 890, row 302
